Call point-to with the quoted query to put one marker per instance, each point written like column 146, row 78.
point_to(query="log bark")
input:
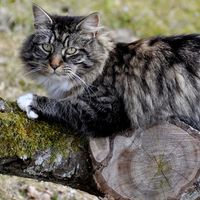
column 161, row 162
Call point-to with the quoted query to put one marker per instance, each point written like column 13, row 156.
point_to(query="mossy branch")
column 44, row 151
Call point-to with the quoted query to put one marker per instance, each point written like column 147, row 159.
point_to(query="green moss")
column 20, row 136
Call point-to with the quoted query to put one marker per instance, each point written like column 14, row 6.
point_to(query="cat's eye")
column 47, row 47
column 71, row 51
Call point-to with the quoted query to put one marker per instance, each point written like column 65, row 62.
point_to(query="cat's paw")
column 25, row 102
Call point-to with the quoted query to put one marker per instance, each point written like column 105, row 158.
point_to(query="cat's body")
column 111, row 86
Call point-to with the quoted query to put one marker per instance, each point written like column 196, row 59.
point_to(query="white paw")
column 32, row 115
column 25, row 102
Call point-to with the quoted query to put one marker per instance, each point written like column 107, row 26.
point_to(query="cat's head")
column 65, row 52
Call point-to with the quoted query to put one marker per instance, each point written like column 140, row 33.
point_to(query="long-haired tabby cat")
column 98, row 87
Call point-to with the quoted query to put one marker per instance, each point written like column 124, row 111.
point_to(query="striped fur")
column 116, row 85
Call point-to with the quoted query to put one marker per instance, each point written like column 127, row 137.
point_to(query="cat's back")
column 162, row 77
column 160, row 56
column 175, row 41
column 177, row 45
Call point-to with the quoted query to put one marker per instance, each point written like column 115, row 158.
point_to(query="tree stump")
column 159, row 163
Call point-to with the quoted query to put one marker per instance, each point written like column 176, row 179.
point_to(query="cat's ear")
column 90, row 24
column 42, row 19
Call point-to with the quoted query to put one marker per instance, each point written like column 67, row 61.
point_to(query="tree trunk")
column 158, row 163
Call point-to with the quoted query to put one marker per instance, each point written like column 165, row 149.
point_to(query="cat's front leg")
column 40, row 106
column 97, row 118
column 25, row 103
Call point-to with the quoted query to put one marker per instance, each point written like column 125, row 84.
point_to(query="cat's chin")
column 56, row 86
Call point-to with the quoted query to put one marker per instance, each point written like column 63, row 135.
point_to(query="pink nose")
column 56, row 61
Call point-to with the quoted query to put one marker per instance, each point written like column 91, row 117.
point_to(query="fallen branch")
column 43, row 151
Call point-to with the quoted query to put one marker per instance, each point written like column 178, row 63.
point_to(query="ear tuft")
column 90, row 24
column 41, row 17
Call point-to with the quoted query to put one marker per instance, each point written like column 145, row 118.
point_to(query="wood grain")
column 161, row 162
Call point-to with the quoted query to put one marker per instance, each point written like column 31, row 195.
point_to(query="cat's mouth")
column 55, row 71
column 63, row 74
column 56, row 75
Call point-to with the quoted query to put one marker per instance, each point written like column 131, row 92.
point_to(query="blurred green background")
column 143, row 18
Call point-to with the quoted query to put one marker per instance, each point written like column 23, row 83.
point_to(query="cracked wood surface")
column 159, row 163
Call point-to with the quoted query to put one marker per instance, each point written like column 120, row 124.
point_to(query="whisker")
column 32, row 71
column 74, row 77
column 88, row 90
column 37, row 63
column 88, row 86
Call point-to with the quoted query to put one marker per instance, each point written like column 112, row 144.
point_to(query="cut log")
column 161, row 162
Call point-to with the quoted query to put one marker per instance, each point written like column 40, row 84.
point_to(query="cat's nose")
column 56, row 61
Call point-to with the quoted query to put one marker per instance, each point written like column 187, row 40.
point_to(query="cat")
column 98, row 87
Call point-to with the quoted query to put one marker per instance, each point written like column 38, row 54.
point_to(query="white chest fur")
column 56, row 86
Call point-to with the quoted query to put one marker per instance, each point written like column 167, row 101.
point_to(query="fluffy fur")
column 107, row 87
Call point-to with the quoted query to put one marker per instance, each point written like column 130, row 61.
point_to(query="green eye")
column 47, row 47
column 71, row 51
